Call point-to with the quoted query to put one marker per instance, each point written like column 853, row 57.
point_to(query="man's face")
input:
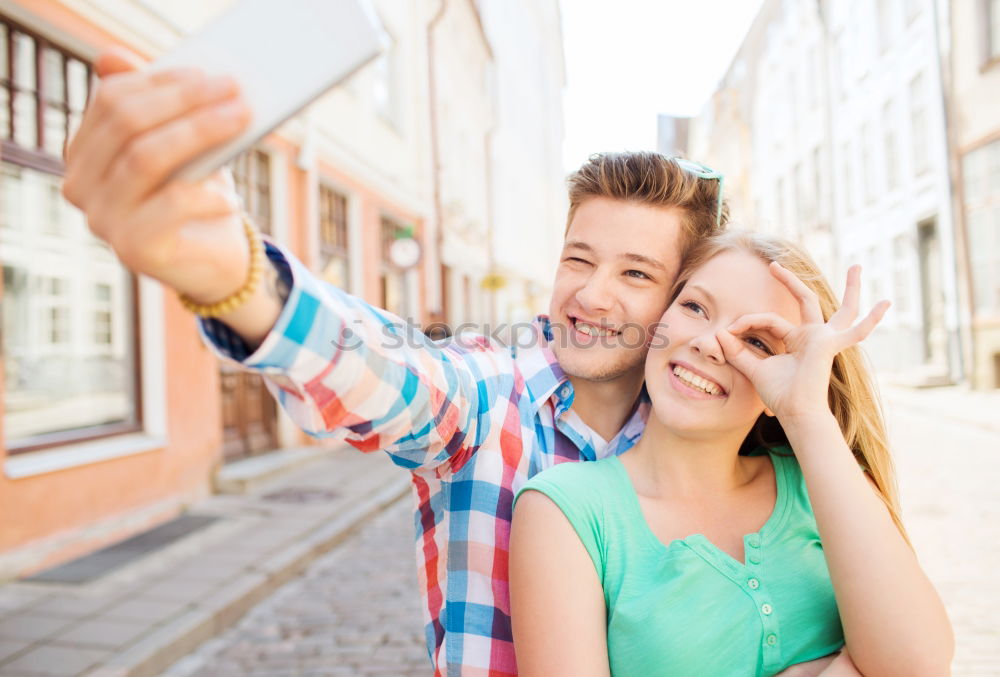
column 618, row 263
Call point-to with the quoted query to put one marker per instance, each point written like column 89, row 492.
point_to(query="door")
column 249, row 414
column 935, row 335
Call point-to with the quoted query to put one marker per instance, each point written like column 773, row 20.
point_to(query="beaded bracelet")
column 240, row 296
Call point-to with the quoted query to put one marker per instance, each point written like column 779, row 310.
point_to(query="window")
column 384, row 85
column 102, row 316
column 891, row 146
column 918, row 124
column 903, row 263
column 814, row 77
column 252, row 175
column 821, row 199
column 989, row 14
column 885, row 25
column 804, row 199
column 842, row 64
column 867, row 169
column 70, row 362
column 981, row 170
column 848, row 189
column 911, row 9
column 393, row 296
column 43, row 91
column 334, row 248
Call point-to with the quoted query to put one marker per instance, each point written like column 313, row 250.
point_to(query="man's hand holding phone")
column 143, row 166
column 139, row 129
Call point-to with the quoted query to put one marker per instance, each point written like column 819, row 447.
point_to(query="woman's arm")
column 556, row 600
column 893, row 618
column 894, row 621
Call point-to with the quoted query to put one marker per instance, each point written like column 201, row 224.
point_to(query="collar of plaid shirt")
column 480, row 420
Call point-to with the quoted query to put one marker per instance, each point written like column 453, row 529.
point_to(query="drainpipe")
column 829, row 95
column 437, row 235
column 490, row 249
column 963, row 277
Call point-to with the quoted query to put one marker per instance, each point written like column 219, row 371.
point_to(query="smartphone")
column 284, row 56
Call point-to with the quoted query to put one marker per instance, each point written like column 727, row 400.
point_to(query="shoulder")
column 567, row 501
column 579, row 489
column 574, row 476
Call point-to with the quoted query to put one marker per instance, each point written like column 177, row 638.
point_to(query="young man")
column 471, row 420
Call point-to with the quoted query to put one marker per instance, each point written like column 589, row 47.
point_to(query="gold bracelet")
column 240, row 296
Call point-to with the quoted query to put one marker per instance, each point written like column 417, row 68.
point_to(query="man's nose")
column 597, row 294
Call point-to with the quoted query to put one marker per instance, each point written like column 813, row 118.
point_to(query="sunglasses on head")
column 703, row 172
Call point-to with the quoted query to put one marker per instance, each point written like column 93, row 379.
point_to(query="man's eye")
column 575, row 259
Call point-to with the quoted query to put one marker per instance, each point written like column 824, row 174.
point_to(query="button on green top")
column 753, row 540
column 753, row 583
column 772, row 640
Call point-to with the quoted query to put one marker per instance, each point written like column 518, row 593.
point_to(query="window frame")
column 989, row 55
column 40, row 160
column 256, row 182
column 340, row 246
column 37, row 158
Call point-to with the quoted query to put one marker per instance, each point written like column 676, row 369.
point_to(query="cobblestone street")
column 355, row 612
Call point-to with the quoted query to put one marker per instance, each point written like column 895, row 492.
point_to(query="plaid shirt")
column 471, row 419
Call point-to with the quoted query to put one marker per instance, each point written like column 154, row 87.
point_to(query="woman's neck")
column 668, row 463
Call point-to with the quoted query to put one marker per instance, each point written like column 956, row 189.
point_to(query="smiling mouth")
column 693, row 380
column 591, row 329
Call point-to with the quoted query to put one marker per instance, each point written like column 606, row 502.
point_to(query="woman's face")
column 693, row 389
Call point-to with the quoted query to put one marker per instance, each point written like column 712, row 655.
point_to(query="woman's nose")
column 707, row 345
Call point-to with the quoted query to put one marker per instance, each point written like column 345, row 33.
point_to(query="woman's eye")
column 758, row 344
column 692, row 306
column 637, row 274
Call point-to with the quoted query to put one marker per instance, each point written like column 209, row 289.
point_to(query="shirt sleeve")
column 343, row 369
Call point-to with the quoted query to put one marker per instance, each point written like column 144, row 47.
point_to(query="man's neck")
column 606, row 405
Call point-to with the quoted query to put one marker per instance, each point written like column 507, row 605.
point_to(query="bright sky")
column 628, row 60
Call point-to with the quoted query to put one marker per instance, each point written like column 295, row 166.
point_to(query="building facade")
column 831, row 119
column 104, row 378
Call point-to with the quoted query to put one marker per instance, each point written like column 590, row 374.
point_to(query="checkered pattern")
column 470, row 419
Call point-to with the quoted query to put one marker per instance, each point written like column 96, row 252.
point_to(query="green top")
column 689, row 608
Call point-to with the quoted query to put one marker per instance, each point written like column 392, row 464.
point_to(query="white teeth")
column 696, row 381
column 591, row 330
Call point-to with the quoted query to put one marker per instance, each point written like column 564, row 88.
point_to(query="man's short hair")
column 653, row 179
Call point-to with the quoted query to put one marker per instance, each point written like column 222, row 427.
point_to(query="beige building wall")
column 975, row 110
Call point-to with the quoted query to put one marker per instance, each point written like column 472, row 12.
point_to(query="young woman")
column 742, row 535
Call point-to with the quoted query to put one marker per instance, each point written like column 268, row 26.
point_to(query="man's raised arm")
column 416, row 400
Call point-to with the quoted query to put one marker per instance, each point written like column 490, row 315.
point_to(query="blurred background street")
column 152, row 495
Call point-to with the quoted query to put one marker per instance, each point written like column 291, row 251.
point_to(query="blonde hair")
column 652, row 179
column 853, row 395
